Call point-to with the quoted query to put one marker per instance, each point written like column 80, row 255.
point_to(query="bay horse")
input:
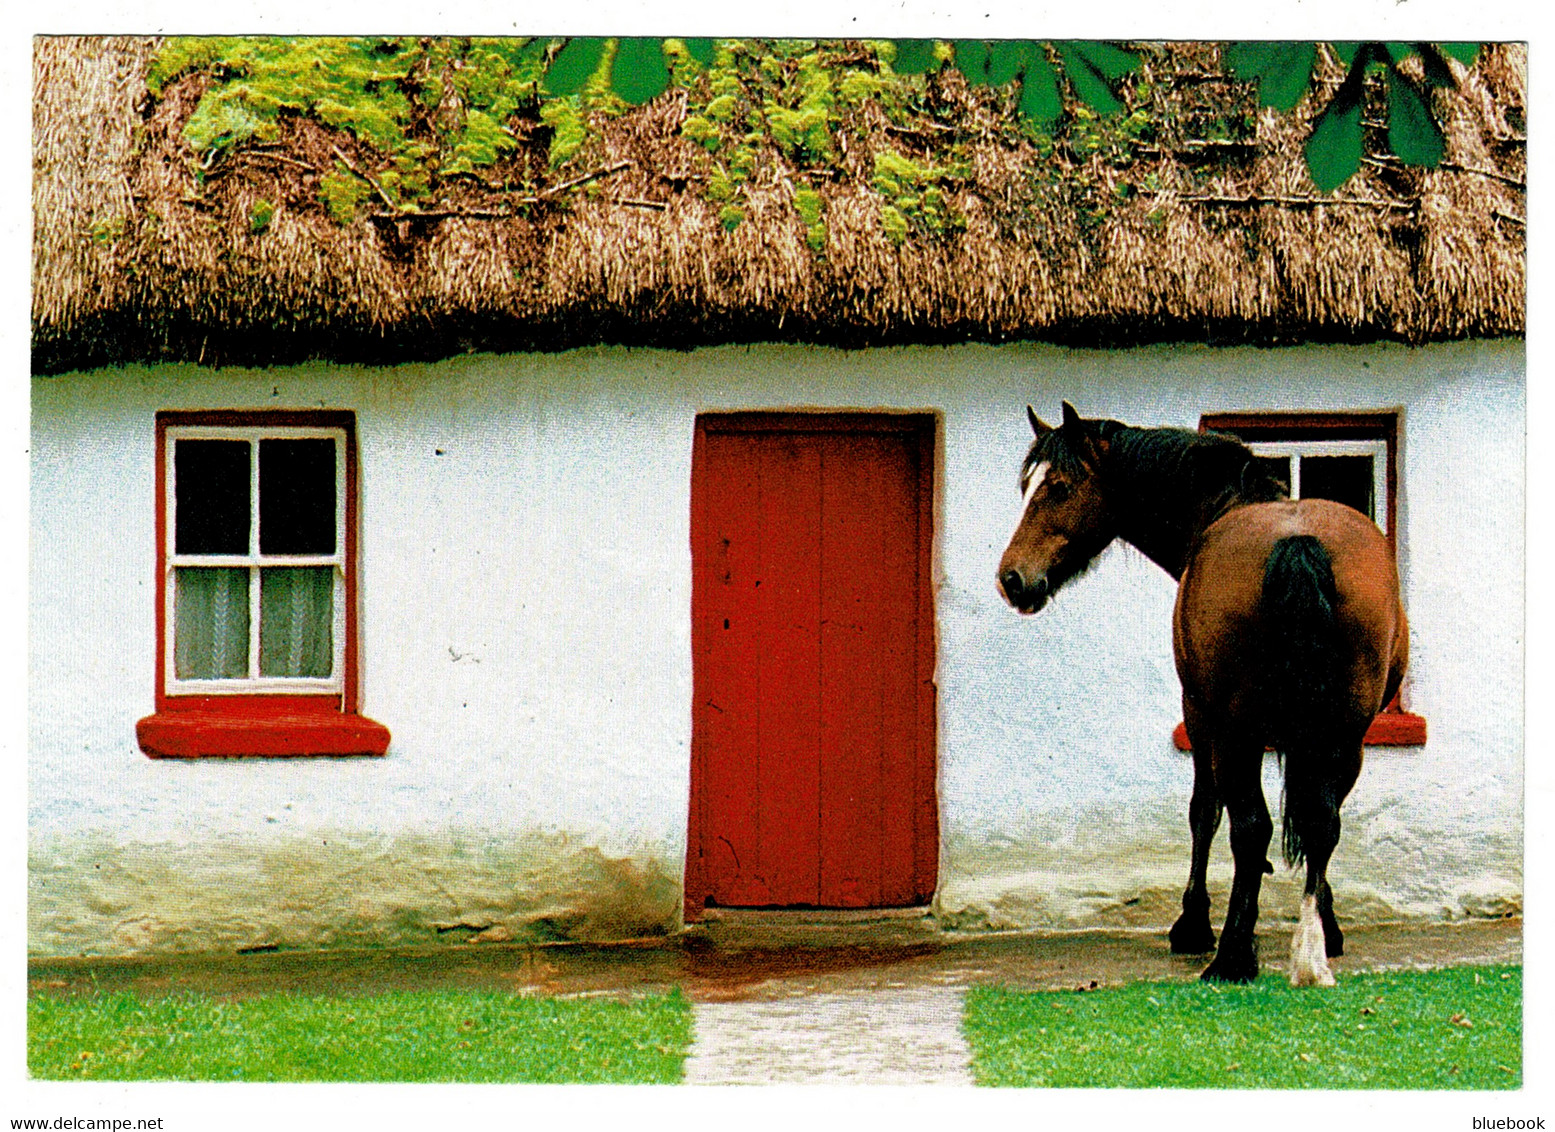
column 1288, row 632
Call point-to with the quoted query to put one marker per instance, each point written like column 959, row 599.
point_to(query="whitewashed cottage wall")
column 525, row 576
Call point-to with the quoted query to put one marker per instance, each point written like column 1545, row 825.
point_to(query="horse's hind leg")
column 1192, row 934
column 1314, row 813
column 1238, row 773
column 1309, row 945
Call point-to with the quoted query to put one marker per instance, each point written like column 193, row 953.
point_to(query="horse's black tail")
column 1302, row 674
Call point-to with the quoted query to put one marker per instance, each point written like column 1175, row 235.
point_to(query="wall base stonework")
column 1104, row 875
column 91, row 896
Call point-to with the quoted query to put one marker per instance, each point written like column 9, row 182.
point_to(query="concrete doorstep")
column 896, row 1036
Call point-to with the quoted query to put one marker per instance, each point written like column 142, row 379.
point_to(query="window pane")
column 210, row 623
column 1279, row 468
column 297, row 496
column 1345, row 479
column 296, row 621
column 211, row 508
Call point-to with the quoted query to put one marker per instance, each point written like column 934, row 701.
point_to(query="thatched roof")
column 1187, row 229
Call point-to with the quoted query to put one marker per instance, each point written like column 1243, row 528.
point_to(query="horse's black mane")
column 1165, row 484
column 1210, row 463
column 1190, row 461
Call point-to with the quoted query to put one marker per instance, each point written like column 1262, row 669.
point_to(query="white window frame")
column 254, row 562
column 1296, row 449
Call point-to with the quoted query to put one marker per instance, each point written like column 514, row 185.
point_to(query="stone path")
column 899, row 1036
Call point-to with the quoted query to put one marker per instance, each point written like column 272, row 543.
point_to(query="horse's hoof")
column 1319, row 976
column 1231, row 969
column 1191, row 938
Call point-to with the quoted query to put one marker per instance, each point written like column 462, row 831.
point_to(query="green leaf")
column 574, row 64
column 1334, row 150
column 1283, row 70
column 1346, row 51
column 1464, row 53
column 1290, row 77
column 1249, row 60
column 1398, row 52
column 1110, row 62
column 1090, row 83
column 972, row 60
column 639, row 72
column 914, row 56
column 1039, row 99
column 1412, row 133
column 701, row 50
column 1005, row 59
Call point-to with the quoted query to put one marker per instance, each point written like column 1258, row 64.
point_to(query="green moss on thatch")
column 342, row 193
column 424, row 112
column 810, row 206
column 803, row 131
column 108, row 230
column 701, row 131
column 353, row 84
column 385, row 93
column 917, row 193
column 568, row 129
column 260, row 213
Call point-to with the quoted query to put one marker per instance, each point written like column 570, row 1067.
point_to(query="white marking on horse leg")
column 1038, row 474
column 1308, row 955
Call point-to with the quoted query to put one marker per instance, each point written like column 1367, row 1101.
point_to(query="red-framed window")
column 256, row 587
column 1351, row 457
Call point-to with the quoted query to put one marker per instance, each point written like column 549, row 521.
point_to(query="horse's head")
column 1065, row 521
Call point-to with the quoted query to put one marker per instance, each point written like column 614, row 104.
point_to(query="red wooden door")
column 813, row 766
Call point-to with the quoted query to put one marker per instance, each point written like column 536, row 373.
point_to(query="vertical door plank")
column 726, row 679
column 851, row 536
column 788, row 604
column 896, row 645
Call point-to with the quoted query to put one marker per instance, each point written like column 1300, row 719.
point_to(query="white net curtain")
column 212, row 619
column 296, row 611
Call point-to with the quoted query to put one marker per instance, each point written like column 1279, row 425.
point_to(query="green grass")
column 1459, row 1028
column 412, row 1036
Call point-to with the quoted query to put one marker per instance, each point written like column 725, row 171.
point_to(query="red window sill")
column 1389, row 729
column 258, row 727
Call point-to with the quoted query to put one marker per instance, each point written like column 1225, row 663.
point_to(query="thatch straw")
column 1189, row 240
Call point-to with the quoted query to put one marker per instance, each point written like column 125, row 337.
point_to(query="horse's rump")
column 1289, row 622
column 1300, row 600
